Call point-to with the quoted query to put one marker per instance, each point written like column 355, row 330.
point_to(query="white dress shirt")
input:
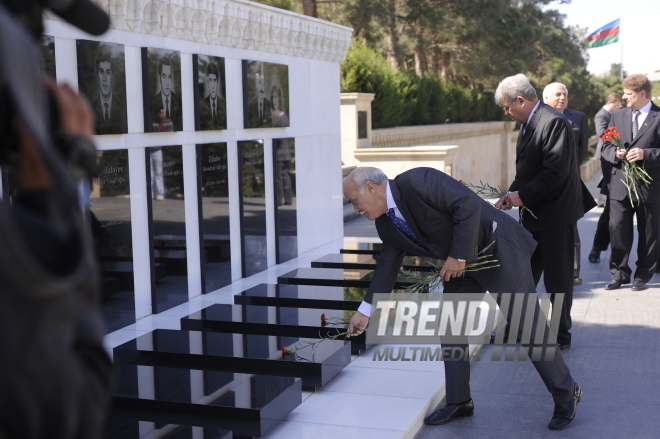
column 643, row 112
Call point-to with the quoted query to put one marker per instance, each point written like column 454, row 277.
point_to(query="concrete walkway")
column 614, row 357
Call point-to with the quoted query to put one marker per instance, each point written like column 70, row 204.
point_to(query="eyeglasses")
column 508, row 107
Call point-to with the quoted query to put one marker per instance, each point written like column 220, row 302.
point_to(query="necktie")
column 167, row 105
column 212, row 107
column 404, row 227
column 524, row 127
column 105, row 111
column 635, row 126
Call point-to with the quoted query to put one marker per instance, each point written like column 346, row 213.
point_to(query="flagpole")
column 621, row 42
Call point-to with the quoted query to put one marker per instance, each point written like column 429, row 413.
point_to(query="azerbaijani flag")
column 607, row 34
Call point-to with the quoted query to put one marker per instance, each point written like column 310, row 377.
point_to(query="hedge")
column 404, row 99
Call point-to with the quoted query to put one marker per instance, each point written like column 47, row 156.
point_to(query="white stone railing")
column 435, row 134
column 232, row 23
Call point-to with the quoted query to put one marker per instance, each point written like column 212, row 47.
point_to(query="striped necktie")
column 404, row 227
column 635, row 125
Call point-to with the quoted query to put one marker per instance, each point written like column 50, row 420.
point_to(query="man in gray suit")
column 602, row 121
column 556, row 95
column 427, row 213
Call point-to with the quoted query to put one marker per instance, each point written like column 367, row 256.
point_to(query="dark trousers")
column 621, row 235
column 554, row 373
column 554, row 256
column 576, row 253
column 602, row 236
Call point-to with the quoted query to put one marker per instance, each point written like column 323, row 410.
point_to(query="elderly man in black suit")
column 556, row 95
column 602, row 121
column 639, row 125
column 547, row 182
column 427, row 213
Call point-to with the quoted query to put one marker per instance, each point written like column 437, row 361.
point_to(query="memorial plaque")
column 253, row 207
column 336, row 277
column 102, row 78
column 248, row 405
column 209, row 93
column 47, row 56
column 286, row 221
column 362, row 248
column 302, row 296
column 314, row 365
column 214, row 215
column 167, row 226
column 279, row 321
column 265, row 94
column 362, row 125
column 110, row 225
column 368, row 262
column 161, row 90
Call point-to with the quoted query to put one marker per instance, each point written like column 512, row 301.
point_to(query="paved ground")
column 614, row 358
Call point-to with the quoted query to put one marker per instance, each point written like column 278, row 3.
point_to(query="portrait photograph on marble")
column 213, row 197
column 265, row 94
column 167, row 227
column 252, row 190
column 46, row 56
column 161, row 89
column 286, row 222
column 109, row 219
column 209, row 93
column 102, row 78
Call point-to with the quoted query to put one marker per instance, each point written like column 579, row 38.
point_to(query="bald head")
column 556, row 95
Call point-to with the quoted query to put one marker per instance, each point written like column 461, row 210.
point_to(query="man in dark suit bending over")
column 427, row 213
column 556, row 95
column 639, row 125
column 547, row 182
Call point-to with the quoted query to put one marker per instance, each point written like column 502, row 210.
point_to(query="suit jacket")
column 175, row 109
column 117, row 124
column 206, row 121
column 450, row 220
column 580, row 127
column 648, row 139
column 601, row 122
column 547, row 177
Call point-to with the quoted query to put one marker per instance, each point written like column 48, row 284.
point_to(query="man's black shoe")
column 563, row 346
column 577, row 281
column 614, row 284
column 594, row 256
column 564, row 414
column 638, row 285
column 450, row 412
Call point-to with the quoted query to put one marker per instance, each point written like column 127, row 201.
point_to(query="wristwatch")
column 460, row 260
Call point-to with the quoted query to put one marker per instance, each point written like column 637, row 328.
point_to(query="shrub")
column 403, row 99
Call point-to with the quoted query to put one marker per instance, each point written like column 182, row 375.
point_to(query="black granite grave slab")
column 248, row 406
column 368, row 262
column 266, row 320
column 335, row 277
column 219, row 354
column 109, row 219
column 302, row 296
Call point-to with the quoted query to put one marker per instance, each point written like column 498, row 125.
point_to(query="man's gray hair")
column 360, row 176
column 512, row 87
column 546, row 90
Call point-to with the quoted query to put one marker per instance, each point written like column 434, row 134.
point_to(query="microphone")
column 626, row 145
